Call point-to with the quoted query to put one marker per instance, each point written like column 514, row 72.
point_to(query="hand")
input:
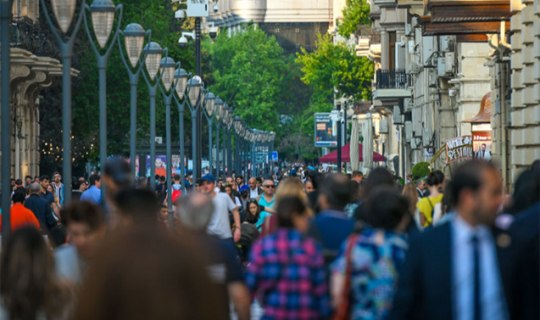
column 237, row 234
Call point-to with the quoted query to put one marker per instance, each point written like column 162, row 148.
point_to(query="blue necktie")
column 476, row 278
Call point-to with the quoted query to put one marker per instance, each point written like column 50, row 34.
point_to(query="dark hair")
column 440, row 175
column 377, row 177
column 385, row 208
column 526, row 189
column 244, row 194
column 93, row 179
column 337, row 190
column 176, row 177
column 44, row 177
column 18, row 182
column 158, row 267
column 76, row 184
column 240, row 177
column 433, row 180
column 27, row 177
column 249, row 216
column 287, row 207
column 259, row 180
column 156, row 177
column 18, row 197
column 27, row 277
column 140, row 204
column 36, row 177
column 83, row 212
column 162, row 178
column 314, row 176
column 199, row 182
column 468, row 176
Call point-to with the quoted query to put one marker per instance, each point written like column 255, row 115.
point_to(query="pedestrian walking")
column 21, row 216
column 367, row 267
column 41, row 208
column 453, row 271
column 93, row 194
column 332, row 225
column 194, row 214
column 219, row 224
column 165, row 279
column 29, row 288
column 266, row 200
column 427, row 205
column 85, row 227
column 286, row 271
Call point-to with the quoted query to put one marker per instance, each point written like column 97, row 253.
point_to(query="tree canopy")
column 355, row 13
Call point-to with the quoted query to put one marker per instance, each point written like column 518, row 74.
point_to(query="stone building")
column 294, row 23
column 30, row 75
column 443, row 70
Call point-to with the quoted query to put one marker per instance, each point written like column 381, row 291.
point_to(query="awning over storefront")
column 484, row 115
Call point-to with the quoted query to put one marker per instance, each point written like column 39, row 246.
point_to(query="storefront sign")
column 459, row 148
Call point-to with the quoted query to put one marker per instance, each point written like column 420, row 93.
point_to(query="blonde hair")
column 291, row 187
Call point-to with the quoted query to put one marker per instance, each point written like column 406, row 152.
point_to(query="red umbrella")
column 346, row 155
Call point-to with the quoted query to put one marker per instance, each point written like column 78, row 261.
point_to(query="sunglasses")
column 270, row 186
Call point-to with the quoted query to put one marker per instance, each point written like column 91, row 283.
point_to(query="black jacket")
column 425, row 283
column 42, row 210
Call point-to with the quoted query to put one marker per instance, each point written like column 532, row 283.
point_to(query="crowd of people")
column 302, row 243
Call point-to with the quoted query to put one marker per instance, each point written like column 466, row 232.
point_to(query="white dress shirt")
column 253, row 193
column 491, row 293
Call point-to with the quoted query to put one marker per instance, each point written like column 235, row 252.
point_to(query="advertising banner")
column 459, row 148
column 324, row 131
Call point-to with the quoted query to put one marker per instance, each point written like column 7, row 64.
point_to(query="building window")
column 276, row 30
column 297, row 30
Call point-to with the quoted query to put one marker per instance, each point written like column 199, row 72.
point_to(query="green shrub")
column 420, row 170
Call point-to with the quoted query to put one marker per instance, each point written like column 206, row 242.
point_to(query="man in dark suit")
column 457, row 271
column 41, row 208
column 525, row 233
column 420, row 187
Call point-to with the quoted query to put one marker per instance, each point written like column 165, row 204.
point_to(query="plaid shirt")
column 287, row 272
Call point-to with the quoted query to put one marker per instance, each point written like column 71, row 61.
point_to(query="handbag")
column 343, row 311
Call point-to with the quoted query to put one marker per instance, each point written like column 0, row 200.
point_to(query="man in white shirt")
column 219, row 224
column 483, row 154
column 254, row 192
column 452, row 272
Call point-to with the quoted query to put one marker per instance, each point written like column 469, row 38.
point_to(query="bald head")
column 35, row 188
column 195, row 211
column 252, row 183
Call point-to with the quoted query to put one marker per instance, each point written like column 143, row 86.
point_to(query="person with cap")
column 219, row 224
column 117, row 176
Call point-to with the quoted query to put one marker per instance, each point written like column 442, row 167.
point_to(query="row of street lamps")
column 163, row 72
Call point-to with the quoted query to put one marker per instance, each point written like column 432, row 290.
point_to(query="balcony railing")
column 375, row 38
column 393, row 79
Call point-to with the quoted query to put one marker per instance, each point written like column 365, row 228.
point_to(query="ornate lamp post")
column 224, row 120
column 102, row 13
column 210, row 107
column 153, row 53
column 134, row 41
column 194, row 88
column 63, row 11
column 181, row 77
column 5, row 18
column 167, row 71
column 219, row 115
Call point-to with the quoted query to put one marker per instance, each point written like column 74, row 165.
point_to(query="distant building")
column 294, row 23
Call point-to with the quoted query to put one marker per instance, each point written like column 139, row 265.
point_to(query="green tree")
column 355, row 13
column 337, row 66
column 246, row 71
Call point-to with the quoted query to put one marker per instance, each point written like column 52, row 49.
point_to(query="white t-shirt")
column 253, row 193
column 219, row 224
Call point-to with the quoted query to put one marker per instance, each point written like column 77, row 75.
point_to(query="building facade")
column 450, row 68
column 30, row 75
column 294, row 23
